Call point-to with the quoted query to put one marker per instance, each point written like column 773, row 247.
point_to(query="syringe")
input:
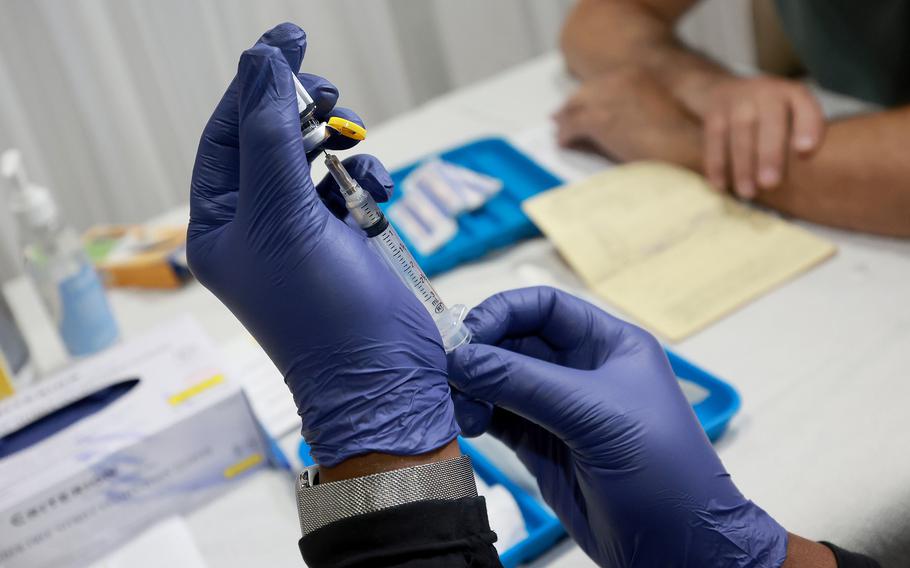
column 385, row 241
column 380, row 233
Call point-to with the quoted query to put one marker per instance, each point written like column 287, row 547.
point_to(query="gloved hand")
column 591, row 406
column 360, row 354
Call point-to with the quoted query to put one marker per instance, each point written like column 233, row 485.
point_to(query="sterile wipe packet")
column 426, row 227
column 470, row 181
column 504, row 515
column 428, row 182
column 433, row 195
column 454, row 188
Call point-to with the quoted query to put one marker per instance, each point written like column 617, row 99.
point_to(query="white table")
column 822, row 363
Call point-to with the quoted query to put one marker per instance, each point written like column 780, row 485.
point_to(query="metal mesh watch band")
column 321, row 504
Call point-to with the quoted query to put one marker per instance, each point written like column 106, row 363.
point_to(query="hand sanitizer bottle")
column 57, row 264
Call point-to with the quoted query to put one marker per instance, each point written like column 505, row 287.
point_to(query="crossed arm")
column 764, row 137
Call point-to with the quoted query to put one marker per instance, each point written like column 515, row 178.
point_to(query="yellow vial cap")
column 347, row 128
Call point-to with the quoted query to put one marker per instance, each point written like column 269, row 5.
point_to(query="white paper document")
column 168, row 543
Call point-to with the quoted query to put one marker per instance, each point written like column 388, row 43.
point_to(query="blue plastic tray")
column 500, row 221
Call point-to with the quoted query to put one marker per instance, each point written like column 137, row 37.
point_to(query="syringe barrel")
column 399, row 259
column 365, row 212
column 360, row 204
column 385, row 240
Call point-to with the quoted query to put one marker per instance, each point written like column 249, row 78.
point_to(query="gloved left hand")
column 360, row 354
column 590, row 405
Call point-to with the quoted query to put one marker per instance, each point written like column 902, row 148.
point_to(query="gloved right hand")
column 360, row 354
column 592, row 408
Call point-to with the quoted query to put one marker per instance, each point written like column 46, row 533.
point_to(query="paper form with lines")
column 655, row 241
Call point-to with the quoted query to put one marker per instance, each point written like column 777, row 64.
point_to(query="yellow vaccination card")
column 657, row 242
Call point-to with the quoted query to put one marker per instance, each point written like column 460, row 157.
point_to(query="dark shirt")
column 432, row 534
column 861, row 49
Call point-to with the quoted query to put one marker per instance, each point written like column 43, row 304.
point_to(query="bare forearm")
column 378, row 463
column 859, row 179
column 602, row 35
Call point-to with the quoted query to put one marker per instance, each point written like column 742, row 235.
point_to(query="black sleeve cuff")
column 847, row 559
column 433, row 533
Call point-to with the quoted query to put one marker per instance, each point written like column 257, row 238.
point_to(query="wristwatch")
column 319, row 504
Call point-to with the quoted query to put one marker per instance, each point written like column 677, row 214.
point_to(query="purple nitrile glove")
column 592, row 408
column 360, row 354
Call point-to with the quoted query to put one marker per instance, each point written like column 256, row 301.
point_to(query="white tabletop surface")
column 822, row 363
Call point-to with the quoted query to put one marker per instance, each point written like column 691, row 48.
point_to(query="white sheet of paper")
column 167, row 543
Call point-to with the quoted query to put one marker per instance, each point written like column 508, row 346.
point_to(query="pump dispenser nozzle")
column 30, row 201
column 11, row 168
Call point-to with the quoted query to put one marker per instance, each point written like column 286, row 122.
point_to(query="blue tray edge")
column 543, row 528
column 714, row 412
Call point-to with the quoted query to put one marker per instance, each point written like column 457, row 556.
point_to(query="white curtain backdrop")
column 107, row 98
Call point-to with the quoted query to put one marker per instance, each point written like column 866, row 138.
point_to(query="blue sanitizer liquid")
column 72, row 292
column 86, row 322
